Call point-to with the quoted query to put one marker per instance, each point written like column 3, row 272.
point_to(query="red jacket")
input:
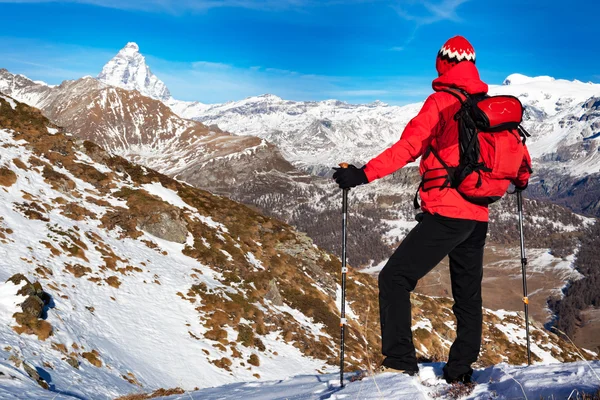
column 435, row 126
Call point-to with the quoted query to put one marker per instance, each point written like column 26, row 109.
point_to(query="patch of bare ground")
column 32, row 211
column 586, row 335
column 155, row 394
column 93, row 357
column 7, row 177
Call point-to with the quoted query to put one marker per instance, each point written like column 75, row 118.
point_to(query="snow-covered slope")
column 558, row 381
column 128, row 70
column 554, row 381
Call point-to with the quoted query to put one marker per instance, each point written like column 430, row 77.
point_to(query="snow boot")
column 462, row 378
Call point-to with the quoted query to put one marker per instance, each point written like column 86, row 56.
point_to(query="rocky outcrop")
column 31, row 319
column 165, row 225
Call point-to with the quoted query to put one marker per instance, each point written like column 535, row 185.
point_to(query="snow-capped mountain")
column 145, row 130
column 128, row 70
column 311, row 135
column 316, row 135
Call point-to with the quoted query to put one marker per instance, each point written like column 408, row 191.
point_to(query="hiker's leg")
column 422, row 249
column 466, row 272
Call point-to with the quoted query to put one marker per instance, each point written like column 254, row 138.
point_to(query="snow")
column 9, row 301
column 559, row 381
column 519, row 79
column 168, row 195
column 254, row 261
column 502, row 381
column 10, row 101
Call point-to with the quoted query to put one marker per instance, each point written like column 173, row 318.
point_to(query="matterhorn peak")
column 128, row 70
column 132, row 45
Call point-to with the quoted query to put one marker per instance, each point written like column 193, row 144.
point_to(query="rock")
column 31, row 320
column 32, row 372
column 73, row 362
column 33, row 306
column 273, row 294
column 165, row 226
column 17, row 279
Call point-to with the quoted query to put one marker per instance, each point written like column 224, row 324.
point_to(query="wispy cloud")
column 184, row 6
column 427, row 12
column 423, row 13
column 210, row 65
column 51, row 63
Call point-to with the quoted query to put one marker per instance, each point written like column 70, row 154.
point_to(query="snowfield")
column 553, row 381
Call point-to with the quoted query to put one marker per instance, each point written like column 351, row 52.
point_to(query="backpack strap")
column 444, row 176
column 460, row 94
column 524, row 134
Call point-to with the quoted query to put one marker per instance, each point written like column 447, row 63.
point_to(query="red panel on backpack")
column 504, row 112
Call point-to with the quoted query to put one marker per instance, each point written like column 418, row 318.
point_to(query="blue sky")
column 353, row 50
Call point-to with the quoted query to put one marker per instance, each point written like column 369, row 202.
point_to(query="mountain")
column 560, row 115
column 144, row 130
column 117, row 279
column 311, row 135
column 128, row 70
column 254, row 171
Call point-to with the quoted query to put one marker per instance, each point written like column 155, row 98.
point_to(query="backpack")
column 491, row 144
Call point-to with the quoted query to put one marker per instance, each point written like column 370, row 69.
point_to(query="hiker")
column 449, row 224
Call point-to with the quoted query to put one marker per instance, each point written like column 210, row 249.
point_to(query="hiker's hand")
column 516, row 188
column 520, row 188
column 350, row 177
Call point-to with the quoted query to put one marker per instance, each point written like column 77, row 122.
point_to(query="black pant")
column 423, row 248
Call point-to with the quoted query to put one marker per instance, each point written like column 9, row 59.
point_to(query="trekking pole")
column 523, row 268
column 344, row 271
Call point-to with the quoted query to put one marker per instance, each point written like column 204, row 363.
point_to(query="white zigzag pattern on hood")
column 458, row 55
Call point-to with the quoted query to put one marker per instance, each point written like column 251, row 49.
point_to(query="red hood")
column 463, row 75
